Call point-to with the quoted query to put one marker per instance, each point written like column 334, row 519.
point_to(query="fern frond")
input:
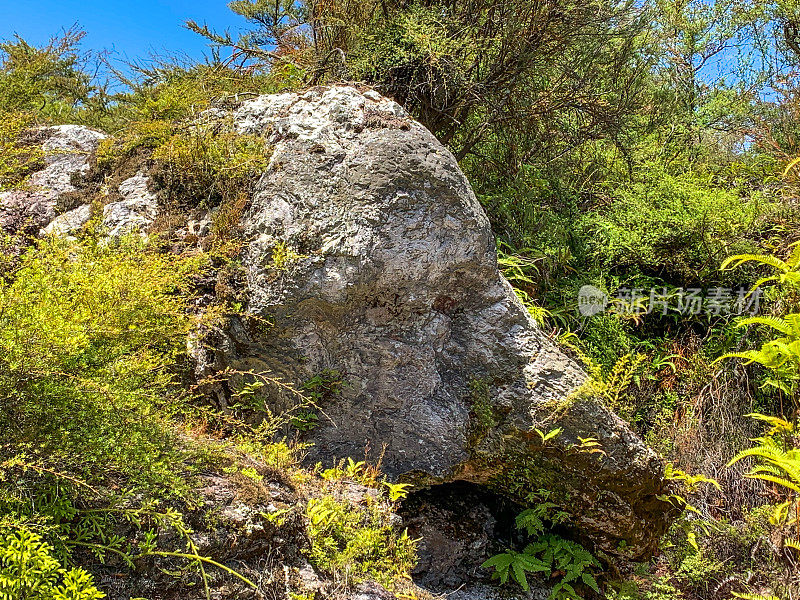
column 784, row 326
column 776, row 480
column 792, row 543
column 755, row 597
column 777, row 422
column 738, row 260
column 763, row 451
column 792, row 164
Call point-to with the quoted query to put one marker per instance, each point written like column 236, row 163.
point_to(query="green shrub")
column 29, row 571
column 17, row 157
column 207, row 168
column 359, row 543
column 678, row 227
column 89, row 336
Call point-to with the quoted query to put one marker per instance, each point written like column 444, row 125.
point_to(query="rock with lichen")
column 374, row 263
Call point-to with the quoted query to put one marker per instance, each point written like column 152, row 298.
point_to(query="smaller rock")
column 70, row 222
column 137, row 210
column 200, row 227
column 309, row 580
column 66, row 152
column 25, row 212
column 370, row 590
column 67, row 149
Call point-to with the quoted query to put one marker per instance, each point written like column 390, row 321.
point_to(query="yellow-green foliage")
column 91, row 338
column 358, row 543
column 781, row 355
column 611, row 386
column 681, row 225
column 210, row 167
column 199, row 159
column 16, row 158
column 29, row 571
column 777, row 462
column 89, row 334
column 283, row 256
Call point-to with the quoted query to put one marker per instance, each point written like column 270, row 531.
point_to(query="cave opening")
column 459, row 526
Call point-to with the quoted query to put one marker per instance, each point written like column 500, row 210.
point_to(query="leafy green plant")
column 788, row 270
column 358, row 542
column 519, row 270
column 482, row 414
column 305, row 420
column 49, row 79
column 676, row 224
column 28, row 570
column 611, row 386
column 568, row 557
column 89, row 334
column 549, row 554
column 690, row 484
column 777, row 462
column 781, row 355
column 397, row 491
column 283, row 256
column 324, row 385
column 516, row 564
column 549, row 435
column 208, row 166
column 17, row 158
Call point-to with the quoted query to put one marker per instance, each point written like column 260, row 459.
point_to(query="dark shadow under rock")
column 460, row 525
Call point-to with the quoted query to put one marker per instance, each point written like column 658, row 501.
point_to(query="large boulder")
column 369, row 256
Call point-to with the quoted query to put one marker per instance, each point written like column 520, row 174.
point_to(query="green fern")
column 570, row 558
column 788, row 270
column 782, row 354
column 611, row 386
column 778, row 463
column 515, row 564
column 548, row 554
column 515, row 268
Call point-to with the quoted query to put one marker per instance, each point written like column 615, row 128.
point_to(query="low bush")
column 358, row 543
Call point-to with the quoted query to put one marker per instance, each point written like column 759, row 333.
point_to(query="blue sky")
column 131, row 28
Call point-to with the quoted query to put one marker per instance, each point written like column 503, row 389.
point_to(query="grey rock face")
column 372, row 257
column 135, row 212
column 70, row 222
column 67, row 150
